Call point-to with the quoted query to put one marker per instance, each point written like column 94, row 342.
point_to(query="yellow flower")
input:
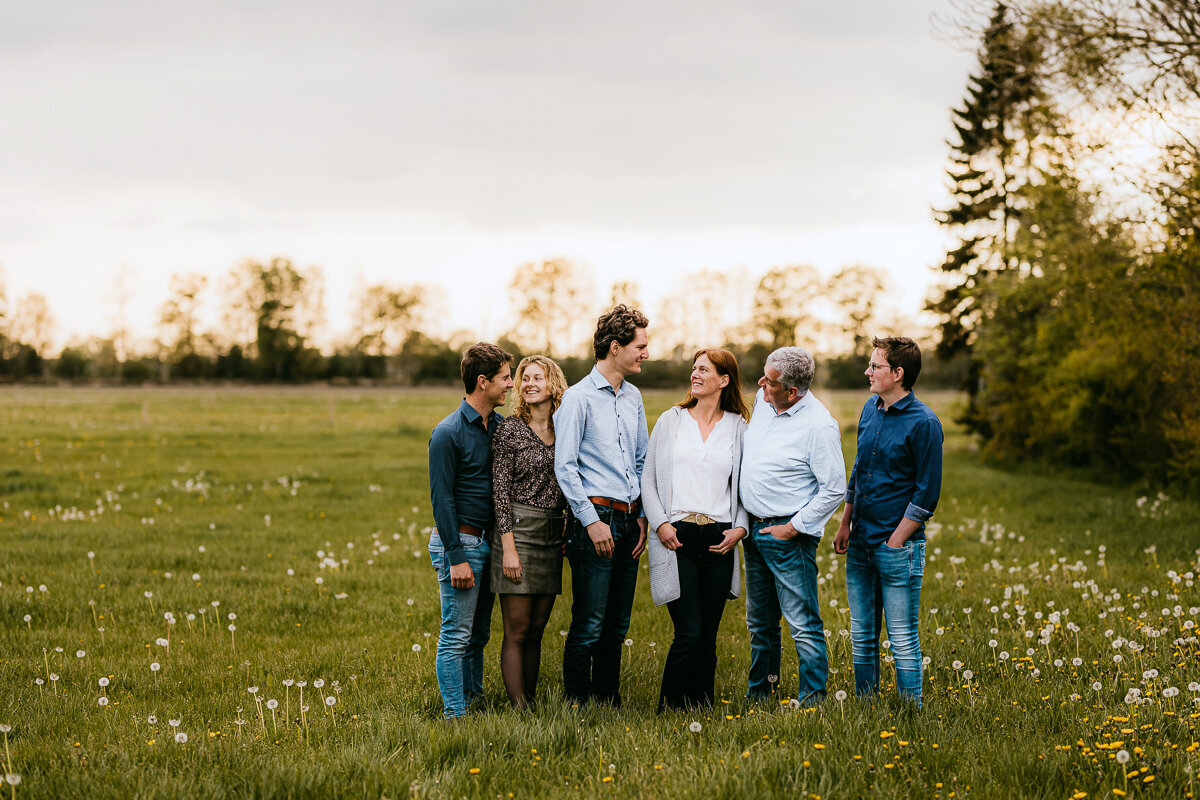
column 885, row 734
column 1148, row 779
column 474, row 770
column 818, row 747
column 606, row 779
column 1118, row 792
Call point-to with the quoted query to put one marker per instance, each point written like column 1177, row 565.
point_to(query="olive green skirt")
column 538, row 535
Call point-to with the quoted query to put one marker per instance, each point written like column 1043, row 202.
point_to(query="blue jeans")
column 466, row 625
column 602, row 598
column 781, row 579
column 884, row 581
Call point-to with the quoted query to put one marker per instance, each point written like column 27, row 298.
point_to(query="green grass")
column 166, row 484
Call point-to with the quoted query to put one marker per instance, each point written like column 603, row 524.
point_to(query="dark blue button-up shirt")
column 460, row 475
column 897, row 469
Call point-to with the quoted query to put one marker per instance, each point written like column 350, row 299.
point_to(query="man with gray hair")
column 793, row 479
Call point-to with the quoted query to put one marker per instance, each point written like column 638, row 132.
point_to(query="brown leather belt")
column 615, row 505
column 469, row 529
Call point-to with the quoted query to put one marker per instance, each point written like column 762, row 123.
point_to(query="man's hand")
column 784, row 533
column 841, row 540
column 732, row 537
column 666, row 535
column 640, row 547
column 461, row 576
column 601, row 536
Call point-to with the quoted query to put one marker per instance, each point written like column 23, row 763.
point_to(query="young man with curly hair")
column 599, row 452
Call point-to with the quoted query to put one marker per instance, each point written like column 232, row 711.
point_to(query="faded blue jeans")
column 885, row 582
column 781, row 579
column 466, row 625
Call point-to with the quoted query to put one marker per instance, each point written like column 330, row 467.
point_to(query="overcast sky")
column 451, row 141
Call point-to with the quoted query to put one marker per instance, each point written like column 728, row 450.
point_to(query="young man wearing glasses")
column 893, row 491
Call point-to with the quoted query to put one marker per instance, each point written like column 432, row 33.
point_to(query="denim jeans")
column 602, row 599
column 704, row 579
column 781, row 579
column 466, row 625
column 885, row 582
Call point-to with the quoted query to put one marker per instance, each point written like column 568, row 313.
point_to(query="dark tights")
column 525, row 618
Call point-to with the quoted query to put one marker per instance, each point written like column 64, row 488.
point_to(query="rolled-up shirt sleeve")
column 568, row 431
column 443, row 460
column 829, row 469
column 927, row 450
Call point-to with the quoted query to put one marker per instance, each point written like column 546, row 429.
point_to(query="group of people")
column 573, row 471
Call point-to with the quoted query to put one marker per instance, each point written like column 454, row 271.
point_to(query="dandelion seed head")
column 695, row 727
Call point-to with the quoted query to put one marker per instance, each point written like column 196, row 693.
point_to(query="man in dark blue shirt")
column 893, row 491
column 460, row 486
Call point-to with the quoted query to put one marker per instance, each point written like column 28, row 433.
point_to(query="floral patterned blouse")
column 522, row 471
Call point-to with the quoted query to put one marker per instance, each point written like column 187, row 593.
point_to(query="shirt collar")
column 468, row 411
column 899, row 405
column 791, row 412
column 601, row 382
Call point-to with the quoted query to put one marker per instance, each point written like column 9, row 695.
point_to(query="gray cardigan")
column 656, row 500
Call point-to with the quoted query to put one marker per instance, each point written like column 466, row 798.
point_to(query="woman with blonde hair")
column 530, row 522
column 690, row 493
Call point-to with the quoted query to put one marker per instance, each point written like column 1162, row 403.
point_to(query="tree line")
column 272, row 311
column 1072, row 289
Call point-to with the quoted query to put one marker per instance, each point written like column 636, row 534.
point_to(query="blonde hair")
column 556, row 383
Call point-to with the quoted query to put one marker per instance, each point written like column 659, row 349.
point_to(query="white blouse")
column 702, row 469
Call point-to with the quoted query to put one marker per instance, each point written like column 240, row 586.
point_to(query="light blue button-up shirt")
column 600, row 444
column 792, row 465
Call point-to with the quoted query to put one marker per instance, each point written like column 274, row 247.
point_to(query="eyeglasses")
column 873, row 367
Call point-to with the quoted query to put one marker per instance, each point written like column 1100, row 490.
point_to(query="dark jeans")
column 602, row 598
column 704, row 579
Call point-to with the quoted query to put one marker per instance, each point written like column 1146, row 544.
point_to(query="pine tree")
column 1003, row 123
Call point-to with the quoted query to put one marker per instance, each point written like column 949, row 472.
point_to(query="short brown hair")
column 481, row 358
column 556, row 384
column 902, row 353
column 731, row 398
column 619, row 325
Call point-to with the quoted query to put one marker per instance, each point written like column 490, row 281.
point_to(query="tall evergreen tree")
column 1003, row 126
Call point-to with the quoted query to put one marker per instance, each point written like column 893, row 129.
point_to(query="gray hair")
column 796, row 368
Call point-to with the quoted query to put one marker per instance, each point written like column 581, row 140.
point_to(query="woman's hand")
column 512, row 561
column 732, row 537
column 666, row 535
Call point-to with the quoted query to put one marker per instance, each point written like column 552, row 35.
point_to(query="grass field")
column 284, row 531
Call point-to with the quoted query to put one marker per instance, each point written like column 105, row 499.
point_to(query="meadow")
column 211, row 592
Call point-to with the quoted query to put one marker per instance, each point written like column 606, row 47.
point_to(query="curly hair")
column 556, row 383
column 619, row 325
